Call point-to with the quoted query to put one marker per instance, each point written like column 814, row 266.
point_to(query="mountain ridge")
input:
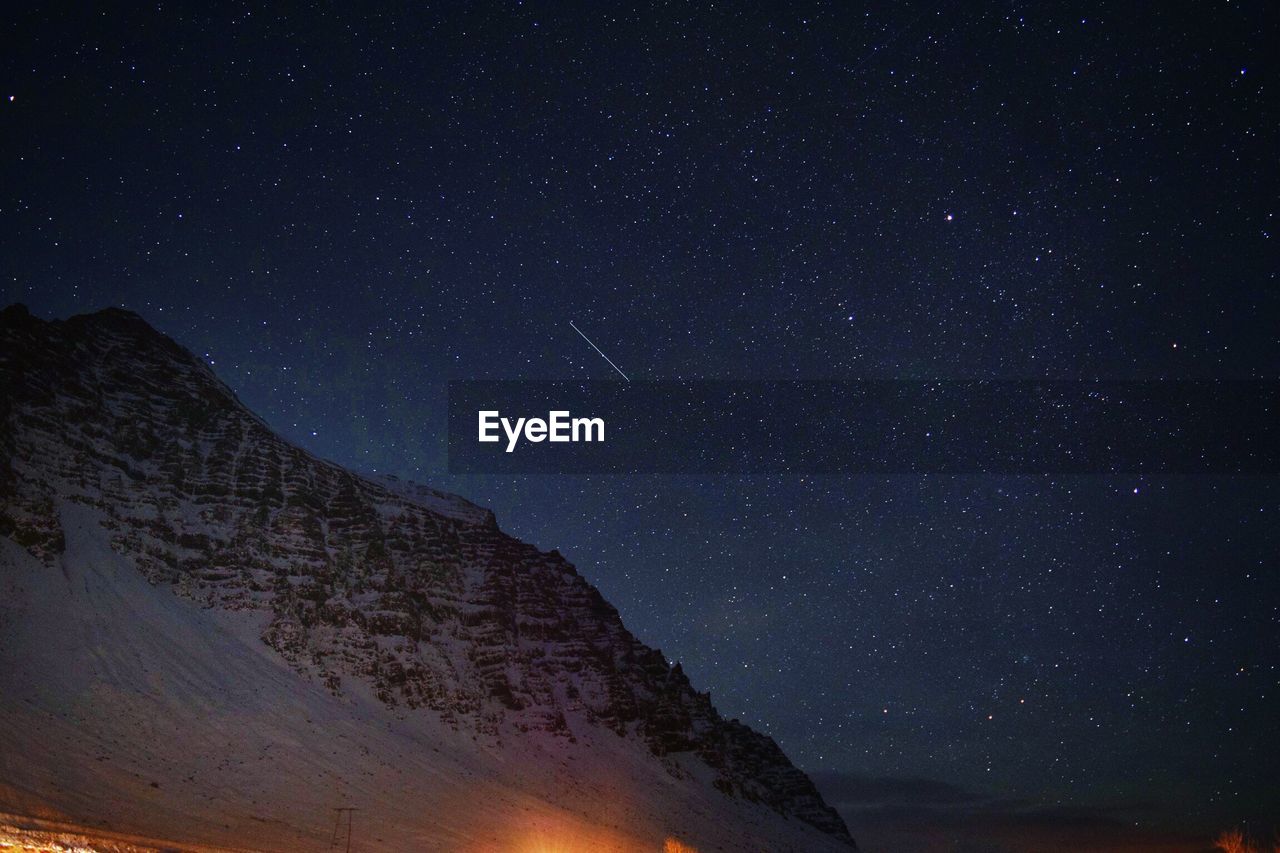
column 413, row 594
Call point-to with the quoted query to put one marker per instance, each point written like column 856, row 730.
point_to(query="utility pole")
column 337, row 826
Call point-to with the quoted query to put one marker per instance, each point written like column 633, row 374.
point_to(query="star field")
column 343, row 209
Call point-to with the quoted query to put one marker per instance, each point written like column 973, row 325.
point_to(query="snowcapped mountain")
column 209, row 635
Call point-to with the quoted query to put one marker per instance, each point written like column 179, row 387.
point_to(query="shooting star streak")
column 602, row 355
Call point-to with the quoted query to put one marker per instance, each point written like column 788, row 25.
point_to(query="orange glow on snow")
column 674, row 845
column 592, row 840
column 578, row 845
column 567, row 837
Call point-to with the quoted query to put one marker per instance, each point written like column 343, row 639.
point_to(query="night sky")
column 341, row 210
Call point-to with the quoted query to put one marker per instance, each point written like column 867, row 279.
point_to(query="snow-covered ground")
column 128, row 708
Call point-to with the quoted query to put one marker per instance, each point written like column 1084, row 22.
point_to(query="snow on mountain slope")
column 208, row 635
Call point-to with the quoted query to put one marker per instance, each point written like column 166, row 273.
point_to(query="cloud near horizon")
column 929, row 816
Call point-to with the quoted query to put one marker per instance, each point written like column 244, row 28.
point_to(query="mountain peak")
column 113, row 313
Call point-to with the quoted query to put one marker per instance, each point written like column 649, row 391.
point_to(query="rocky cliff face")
column 362, row 584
